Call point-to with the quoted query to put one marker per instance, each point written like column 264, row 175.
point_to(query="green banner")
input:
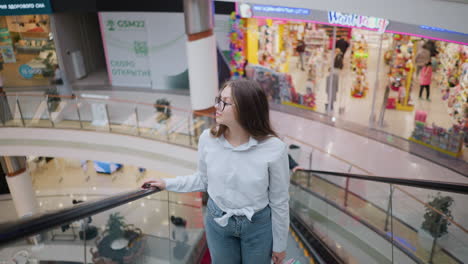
column 24, row 7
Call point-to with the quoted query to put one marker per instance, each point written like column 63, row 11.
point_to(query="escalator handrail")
column 453, row 187
column 20, row 229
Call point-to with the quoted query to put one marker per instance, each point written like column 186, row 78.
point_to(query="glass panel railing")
column 93, row 114
column 187, row 225
column 431, row 224
column 66, row 114
column 34, row 110
column 101, row 113
column 123, row 117
column 367, row 221
column 14, row 117
column 137, row 232
column 145, row 230
column 343, row 219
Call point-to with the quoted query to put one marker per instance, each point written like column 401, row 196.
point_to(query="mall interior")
column 98, row 97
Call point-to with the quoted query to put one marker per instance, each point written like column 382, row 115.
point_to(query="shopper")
column 300, row 49
column 339, row 57
column 342, row 45
column 244, row 167
column 425, row 79
column 332, row 89
column 431, row 46
column 423, row 56
column 57, row 76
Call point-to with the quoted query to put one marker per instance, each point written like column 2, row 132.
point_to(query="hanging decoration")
column 359, row 55
column 237, row 35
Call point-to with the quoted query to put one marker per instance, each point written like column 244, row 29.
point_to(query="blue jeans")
column 241, row 241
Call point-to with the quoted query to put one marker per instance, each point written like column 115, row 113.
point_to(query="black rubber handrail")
column 19, row 229
column 15, row 230
column 454, row 187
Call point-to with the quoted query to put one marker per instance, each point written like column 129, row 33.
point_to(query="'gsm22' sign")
column 113, row 25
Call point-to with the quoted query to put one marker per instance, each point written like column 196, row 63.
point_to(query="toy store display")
column 279, row 87
column 446, row 141
column 316, row 65
column 400, row 75
column 236, row 36
column 314, row 38
column 316, row 41
column 453, row 79
column 457, row 98
column 359, row 56
column 296, row 33
column 273, row 44
column 451, row 57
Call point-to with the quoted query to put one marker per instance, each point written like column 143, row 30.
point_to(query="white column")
column 20, row 185
column 22, row 194
column 203, row 72
column 201, row 53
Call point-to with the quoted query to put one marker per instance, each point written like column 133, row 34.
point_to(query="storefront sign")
column 28, row 72
column 24, row 7
column 442, row 30
column 246, row 10
column 354, row 20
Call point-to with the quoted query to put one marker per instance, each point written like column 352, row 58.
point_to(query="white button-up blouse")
column 243, row 180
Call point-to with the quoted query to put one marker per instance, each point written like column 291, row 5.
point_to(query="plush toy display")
column 359, row 56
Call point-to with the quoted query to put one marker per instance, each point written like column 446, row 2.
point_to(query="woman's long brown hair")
column 252, row 111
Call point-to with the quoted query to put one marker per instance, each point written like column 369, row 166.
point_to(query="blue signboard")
column 26, row 71
column 24, row 7
column 106, row 167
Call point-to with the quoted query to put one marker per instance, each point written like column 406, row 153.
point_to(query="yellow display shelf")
column 401, row 107
column 299, row 106
column 453, row 154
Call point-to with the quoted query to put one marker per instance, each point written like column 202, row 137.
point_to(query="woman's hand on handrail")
column 158, row 183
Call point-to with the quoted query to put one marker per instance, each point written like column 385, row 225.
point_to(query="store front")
column 27, row 48
column 358, row 68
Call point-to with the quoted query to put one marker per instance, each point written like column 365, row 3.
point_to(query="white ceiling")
column 447, row 14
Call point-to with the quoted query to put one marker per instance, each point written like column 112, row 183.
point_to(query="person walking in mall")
column 423, row 56
column 300, row 49
column 342, row 45
column 244, row 167
column 425, row 79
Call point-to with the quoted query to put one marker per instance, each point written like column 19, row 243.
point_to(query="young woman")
column 244, row 167
column 425, row 79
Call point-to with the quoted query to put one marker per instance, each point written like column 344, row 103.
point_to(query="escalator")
column 335, row 218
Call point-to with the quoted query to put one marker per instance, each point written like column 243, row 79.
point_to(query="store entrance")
column 27, row 50
column 80, row 46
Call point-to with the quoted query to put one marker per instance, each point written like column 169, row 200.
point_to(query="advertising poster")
column 8, row 54
column 126, row 45
column 149, row 49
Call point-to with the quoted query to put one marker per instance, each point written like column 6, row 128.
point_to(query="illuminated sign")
column 442, row 30
column 24, row 7
column 246, row 10
column 354, row 20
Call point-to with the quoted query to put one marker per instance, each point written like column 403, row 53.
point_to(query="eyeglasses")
column 220, row 103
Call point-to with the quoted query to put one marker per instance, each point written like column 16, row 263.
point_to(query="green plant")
column 116, row 225
column 435, row 223
column 48, row 71
column 162, row 106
